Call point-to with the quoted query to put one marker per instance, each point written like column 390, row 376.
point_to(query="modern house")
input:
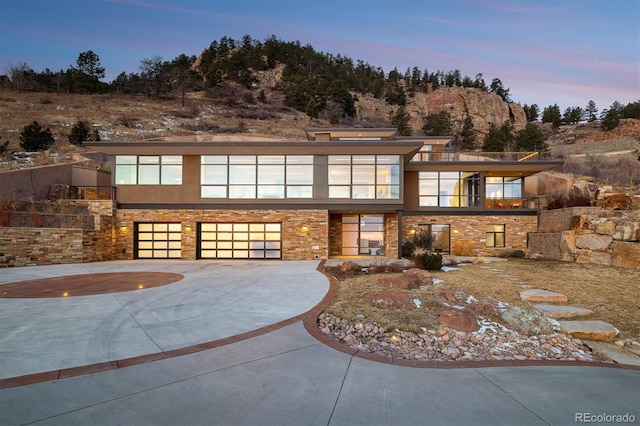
column 340, row 192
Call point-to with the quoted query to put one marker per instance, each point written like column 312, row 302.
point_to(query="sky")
column 546, row 52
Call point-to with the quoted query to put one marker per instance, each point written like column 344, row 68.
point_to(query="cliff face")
column 483, row 108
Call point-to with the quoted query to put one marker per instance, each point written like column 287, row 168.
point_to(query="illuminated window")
column 364, row 176
column 449, row 189
column 148, row 170
column 495, row 236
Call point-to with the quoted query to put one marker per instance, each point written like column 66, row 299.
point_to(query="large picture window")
column 148, row 170
column 449, row 189
column 495, row 236
column 364, row 176
column 256, row 176
column 503, row 192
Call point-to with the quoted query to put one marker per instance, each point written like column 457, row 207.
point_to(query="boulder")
column 589, row 330
column 458, row 319
column 527, row 321
column 626, row 255
column 594, row 257
column 618, row 201
column 404, row 283
column 593, row 242
column 605, row 228
column 348, row 266
column 421, row 275
column 389, row 298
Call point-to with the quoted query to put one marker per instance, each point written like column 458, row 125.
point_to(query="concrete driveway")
column 279, row 376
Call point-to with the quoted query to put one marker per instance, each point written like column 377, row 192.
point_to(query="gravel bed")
column 492, row 341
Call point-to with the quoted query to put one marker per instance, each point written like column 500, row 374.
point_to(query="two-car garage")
column 214, row 240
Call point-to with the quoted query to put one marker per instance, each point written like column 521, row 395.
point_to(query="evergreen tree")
column 551, row 114
column 572, row 115
column 496, row 140
column 33, row 138
column 79, row 134
column 438, row 124
column 497, row 88
column 531, row 112
column 467, row 135
column 610, row 120
column 530, row 138
column 400, row 119
column 591, row 111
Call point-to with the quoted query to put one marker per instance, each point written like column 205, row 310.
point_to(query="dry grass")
column 611, row 293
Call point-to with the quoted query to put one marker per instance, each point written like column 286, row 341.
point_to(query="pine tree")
column 591, row 111
column 400, row 119
column 33, row 138
column 438, row 124
column 467, row 135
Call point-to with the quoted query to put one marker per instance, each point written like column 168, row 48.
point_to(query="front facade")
column 340, row 192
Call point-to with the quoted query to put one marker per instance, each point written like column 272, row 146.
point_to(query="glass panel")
column 149, row 159
column 225, row 236
column 272, row 254
column 256, row 254
column 362, row 191
column 208, row 244
column 175, row 244
column 225, row 244
column 213, row 159
column 225, row 227
column 213, row 174
column 270, row 159
column 145, row 236
column 213, row 192
column 256, row 236
column 339, row 192
column 364, row 175
column 299, row 174
column 388, row 159
column 363, row 159
column 208, row 235
column 299, row 159
column 491, row 241
column 273, row 245
column 175, row 236
column 299, row 192
column 273, row 227
column 160, row 227
column 240, row 227
column 340, row 159
column 270, row 191
column 240, row 244
column 257, row 245
column 148, row 175
column 271, row 174
column 242, row 191
column 241, row 174
column 256, row 227
column 240, row 236
column 339, row 175
column 499, row 240
column 126, row 159
column 147, row 227
column 171, row 159
column 175, row 227
column 145, row 245
column 242, row 159
column 240, row 254
column 159, row 254
column 171, row 175
column 224, row 254
column 145, row 253
column 160, row 245
column 273, row 236
column 125, row 174
column 429, row 201
column 428, row 187
column 208, row 253
column 208, row 227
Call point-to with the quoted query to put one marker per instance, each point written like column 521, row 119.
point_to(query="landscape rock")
column 458, row 319
column 537, row 295
column 589, row 330
column 423, row 276
column 618, row 201
column 527, row 321
column 389, row 298
column 404, row 283
column 606, row 228
column 593, row 241
column 348, row 266
column 594, row 257
column 562, row 311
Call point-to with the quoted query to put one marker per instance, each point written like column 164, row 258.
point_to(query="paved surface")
column 284, row 376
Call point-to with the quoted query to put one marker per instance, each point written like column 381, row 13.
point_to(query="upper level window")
column 449, row 189
column 503, row 187
column 148, row 170
column 364, row 176
column 256, row 176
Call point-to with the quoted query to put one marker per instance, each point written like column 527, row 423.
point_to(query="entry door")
column 362, row 234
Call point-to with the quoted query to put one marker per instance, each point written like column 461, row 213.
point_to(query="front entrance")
column 362, row 234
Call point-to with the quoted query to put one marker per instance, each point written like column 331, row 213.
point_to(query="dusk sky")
column 544, row 51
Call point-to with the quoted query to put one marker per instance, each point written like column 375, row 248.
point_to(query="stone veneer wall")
column 472, row 230
column 46, row 246
column 296, row 245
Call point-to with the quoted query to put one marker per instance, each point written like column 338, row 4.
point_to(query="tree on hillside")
column 19, row 75
column 400, row 119
column 87, row 74
column 530, row 138
column 152, row 73
column 611, row 119
column 393, row 92
column 591, row 111
column 498, row 139
column 467, row 135
column 632, row 110
column 551, row 114
column 572, row 115
column 438, row 124
column 498, row 88
column 33, row 138
column 531, row 112
column 81, row 133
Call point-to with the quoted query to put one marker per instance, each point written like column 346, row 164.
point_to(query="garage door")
column 158, row 241
column 240, row 241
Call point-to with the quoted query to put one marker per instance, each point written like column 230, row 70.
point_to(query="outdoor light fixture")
column 187, row 229
column 305, row 229
column 412, row 231
column 455, row 231
column 123, row 227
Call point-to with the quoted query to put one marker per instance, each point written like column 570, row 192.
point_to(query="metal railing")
column 475, row 156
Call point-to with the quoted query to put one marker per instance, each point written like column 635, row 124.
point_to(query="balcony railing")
column 475, row 156
column 511, row 203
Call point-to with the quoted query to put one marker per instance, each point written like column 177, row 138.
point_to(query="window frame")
column 494, row 235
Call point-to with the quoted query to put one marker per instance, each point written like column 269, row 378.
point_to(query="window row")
column 256, row 176
column 462, row 189
column 148, row 170
column 364, row 176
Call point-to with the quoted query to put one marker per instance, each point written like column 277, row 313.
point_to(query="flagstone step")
column 562, row 311
column 589, row 330
column 537, row 295
column 613, row 353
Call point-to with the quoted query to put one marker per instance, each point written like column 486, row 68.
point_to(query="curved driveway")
column 280, row 377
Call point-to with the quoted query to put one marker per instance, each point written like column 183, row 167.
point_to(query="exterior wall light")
column 455, row 231
column 412, row 232
column 187, row 229
column 305, row 229
column 123, row 227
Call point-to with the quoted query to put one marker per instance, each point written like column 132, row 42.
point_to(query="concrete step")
column 589, row 330
column 537, row 295
column 562, row 311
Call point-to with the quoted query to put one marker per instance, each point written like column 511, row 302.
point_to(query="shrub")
column 422, row 239
column 33, row 138
column 430, row 261
column 79, row 134
column 462, row 248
